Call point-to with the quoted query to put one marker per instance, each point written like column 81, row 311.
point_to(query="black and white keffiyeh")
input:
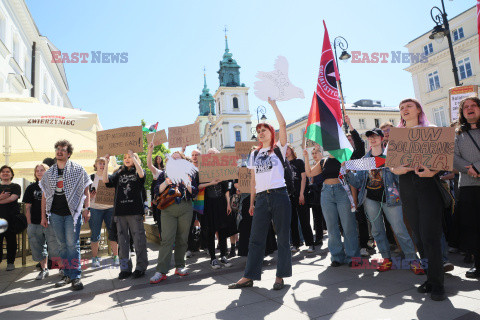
column 75, row 180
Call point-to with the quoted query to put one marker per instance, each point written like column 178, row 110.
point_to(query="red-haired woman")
column 272, row 203
column 422, row 205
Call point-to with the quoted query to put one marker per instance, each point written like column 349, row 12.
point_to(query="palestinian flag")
column 324, row 125
column 151, row 128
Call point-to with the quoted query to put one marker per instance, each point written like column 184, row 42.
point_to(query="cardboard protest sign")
column 244, row 179
column 243, row 148
column 119, row 141
column 276, row 84
column 184, row 135
column 218, row 166
column 104, row 195
column 158, row 137
column 456, row 95
column 431, row 146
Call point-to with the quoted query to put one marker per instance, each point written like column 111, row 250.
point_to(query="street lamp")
column 253, row 131
column 261, row 110
column 342, row 44
column 441, row 30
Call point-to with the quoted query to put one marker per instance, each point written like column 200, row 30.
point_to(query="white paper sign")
column 457, row 94
column 179, row 170
column 276, row 84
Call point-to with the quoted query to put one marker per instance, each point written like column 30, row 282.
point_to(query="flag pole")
column 339, row 85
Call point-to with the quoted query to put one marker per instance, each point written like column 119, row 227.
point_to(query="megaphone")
column 3, row 225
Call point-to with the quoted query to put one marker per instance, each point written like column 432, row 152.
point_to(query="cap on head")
column 376, row 131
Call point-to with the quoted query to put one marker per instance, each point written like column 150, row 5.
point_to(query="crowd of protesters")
column 402, row 210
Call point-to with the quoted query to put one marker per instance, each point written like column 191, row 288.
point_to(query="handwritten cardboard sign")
column 104, row 195
column 220, row 166
column 243, row 148
column 184, row 135
column 119, row 141
column 456, row 95
column 244, row 179
column 157, row 137
column 431, row 146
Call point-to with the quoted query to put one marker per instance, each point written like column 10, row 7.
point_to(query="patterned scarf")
column 346, row 187
column 369, row 163
column 75, row 180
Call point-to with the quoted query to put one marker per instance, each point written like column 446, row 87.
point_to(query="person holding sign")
column 100, row 213
column 467, row 161
column 269, row 189
column 128, row 182
column 176, row 219
column 378, row 189
column 157, row 168
column 422, row 205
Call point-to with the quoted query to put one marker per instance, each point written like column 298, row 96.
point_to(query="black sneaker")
column 124, row 275
column 232, row 253
column 425, row 288
column 77, row 284
column 473, row 273
column 335, row 264
column 65, row 280
column 137, row 274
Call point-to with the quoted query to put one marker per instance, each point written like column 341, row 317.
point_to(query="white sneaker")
column 188, row 254
column 157, row 277
column 10, row 266
column 95, row 262
column 311, row 249
column 364, row 252
column 42, row 275
column 214, row 264
column 116, row 260
column 295, row 249
column 225, row 262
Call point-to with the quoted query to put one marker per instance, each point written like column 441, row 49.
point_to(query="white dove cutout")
column 179, row 170
column 276, row 84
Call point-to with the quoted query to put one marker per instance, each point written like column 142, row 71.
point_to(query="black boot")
column 232, row 253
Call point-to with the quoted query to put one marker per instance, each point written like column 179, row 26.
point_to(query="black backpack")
column 287, row 170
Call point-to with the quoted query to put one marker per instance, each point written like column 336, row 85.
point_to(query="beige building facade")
column 432, row 76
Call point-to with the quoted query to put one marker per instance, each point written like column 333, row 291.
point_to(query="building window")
column 16, row 49
column 235, row 103
column 45, row 84
column 290, row 138
column 458, row 34
column 377, row 123
column 464, row 68
column 3, row 28
column 440, row 118
column 428, row 49
column 433, row 81
column 361, row 122
column 238, row 136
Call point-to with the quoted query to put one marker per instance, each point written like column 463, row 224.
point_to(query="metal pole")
column 345, row 127
column 450, row 45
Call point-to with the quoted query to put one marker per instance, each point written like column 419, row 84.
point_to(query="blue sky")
column 169, row 43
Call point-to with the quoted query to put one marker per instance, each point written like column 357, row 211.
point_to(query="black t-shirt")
column 12, row 208
column 128, row 192
column 33, row 195
column 60, row 204
column 298, row 167
column 375, row 187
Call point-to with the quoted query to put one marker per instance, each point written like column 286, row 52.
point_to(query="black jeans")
column 302, row 212
column 11, row 239
column 363, row 235
column 222, row 242
column 318, row 221
column 423, row 207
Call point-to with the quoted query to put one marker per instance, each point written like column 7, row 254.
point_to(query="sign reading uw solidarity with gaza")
column 432, row 147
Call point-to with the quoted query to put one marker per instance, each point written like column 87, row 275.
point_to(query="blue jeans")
column 68, row 240
column 97, row 216
column 270, row 206
column 43, row 242
column 373, row 210
column 335, row 206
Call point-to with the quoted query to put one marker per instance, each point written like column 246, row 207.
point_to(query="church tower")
column 230, row 120
column 206, row 105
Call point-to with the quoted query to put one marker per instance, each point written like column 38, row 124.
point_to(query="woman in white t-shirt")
column 98, row 214
column 272, row 203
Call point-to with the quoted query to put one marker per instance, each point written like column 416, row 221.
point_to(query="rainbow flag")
column 199, row 202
